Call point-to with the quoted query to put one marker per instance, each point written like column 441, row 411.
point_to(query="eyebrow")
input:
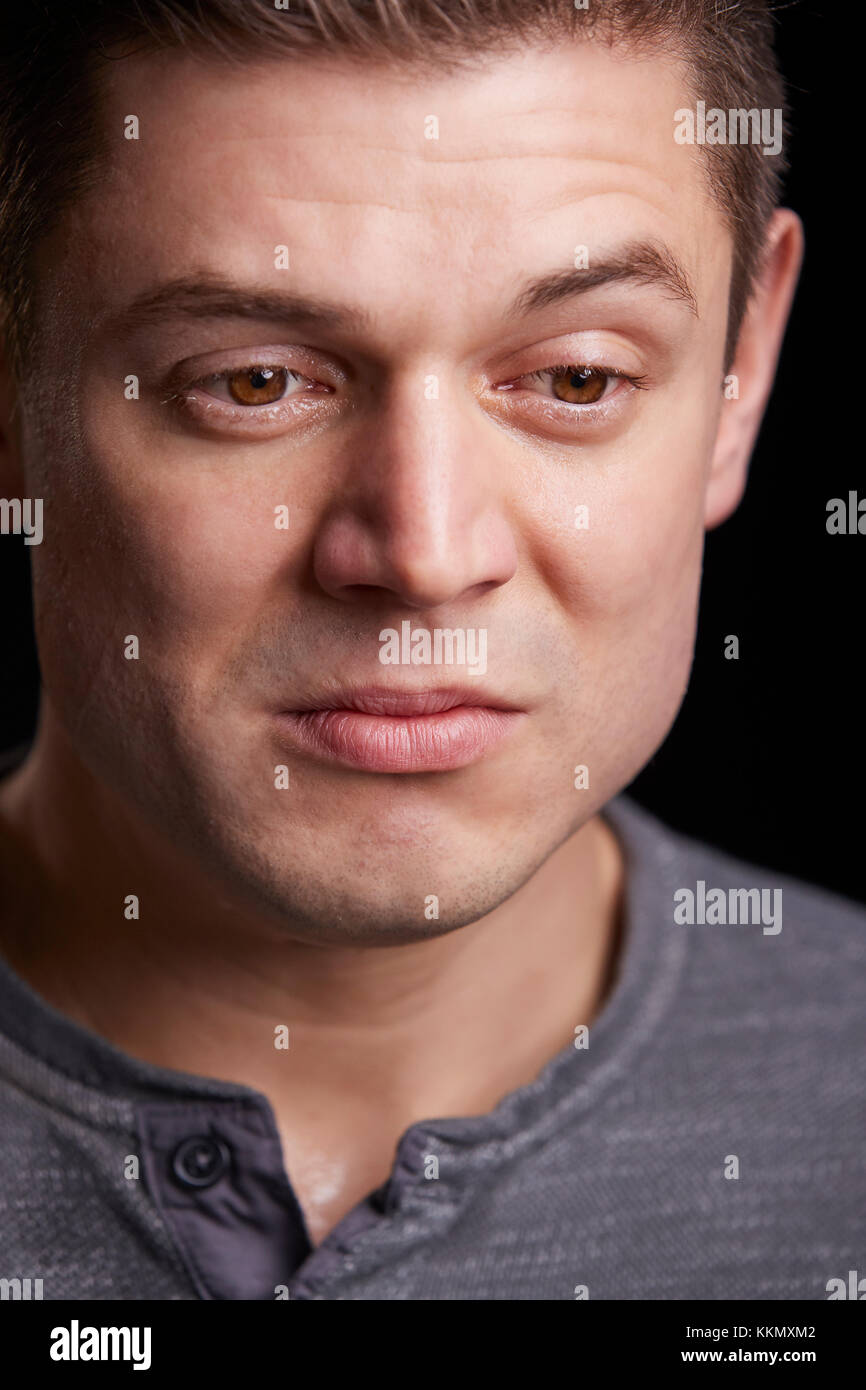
column 637, row 263
column 211, row 296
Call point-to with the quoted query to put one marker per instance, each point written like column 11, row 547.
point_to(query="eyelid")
column 596, row 368
column 584, row 346
column 226, row 419
column 294, row 357
column 574, row 408
column 294, row 377
column 527, row 410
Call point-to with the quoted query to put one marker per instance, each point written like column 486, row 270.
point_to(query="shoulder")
column 760, row 937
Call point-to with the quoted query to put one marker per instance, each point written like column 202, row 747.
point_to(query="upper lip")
column 381, row 699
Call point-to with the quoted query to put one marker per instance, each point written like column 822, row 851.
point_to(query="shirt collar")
column 651, row 954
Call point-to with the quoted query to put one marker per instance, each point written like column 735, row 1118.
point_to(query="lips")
column 380, row 729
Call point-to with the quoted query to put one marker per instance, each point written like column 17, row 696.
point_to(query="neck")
column 197, row 984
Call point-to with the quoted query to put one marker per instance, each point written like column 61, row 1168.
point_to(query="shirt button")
column 200, row 1161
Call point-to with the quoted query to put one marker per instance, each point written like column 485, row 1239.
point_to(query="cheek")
column 628, row 584
column 651, row 540
column 186, row 562
column 634, row 623
column 644, row 597
column 200, row 564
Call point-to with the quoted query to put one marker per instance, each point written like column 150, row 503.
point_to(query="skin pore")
column 452, row 505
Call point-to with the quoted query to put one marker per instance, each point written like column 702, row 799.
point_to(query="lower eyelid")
column 267, row 420
column 532, row 409
column 196, row 399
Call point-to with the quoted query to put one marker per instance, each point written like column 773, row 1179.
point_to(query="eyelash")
column 180, row 393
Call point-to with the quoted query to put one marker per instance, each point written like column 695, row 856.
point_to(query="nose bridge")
column 423, row 516
column 419, row 467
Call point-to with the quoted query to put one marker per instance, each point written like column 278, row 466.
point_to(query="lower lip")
column 401, row 743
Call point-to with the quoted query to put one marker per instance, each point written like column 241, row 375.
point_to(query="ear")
column 754, row 365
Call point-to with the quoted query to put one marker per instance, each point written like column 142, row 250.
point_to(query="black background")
column 767, row 756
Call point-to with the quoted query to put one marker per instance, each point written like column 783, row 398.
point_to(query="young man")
column 379, row 370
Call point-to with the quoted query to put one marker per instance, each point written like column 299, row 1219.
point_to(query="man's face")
column 432, row 465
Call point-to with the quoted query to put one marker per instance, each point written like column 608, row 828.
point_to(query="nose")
column 422, row 508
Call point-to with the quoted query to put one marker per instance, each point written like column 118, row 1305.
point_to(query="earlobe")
column 754, row 366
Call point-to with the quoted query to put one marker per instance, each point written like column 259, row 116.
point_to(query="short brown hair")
column 53, row 54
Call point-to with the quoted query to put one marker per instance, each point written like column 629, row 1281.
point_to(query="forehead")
column 386, row 185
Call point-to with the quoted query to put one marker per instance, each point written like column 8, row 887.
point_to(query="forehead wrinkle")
column 585, row 175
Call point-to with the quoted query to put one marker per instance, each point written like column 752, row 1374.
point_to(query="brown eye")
column 579, row 385
column 258, row 385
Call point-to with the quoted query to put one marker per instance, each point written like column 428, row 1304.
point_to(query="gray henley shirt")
column 706, row 1141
